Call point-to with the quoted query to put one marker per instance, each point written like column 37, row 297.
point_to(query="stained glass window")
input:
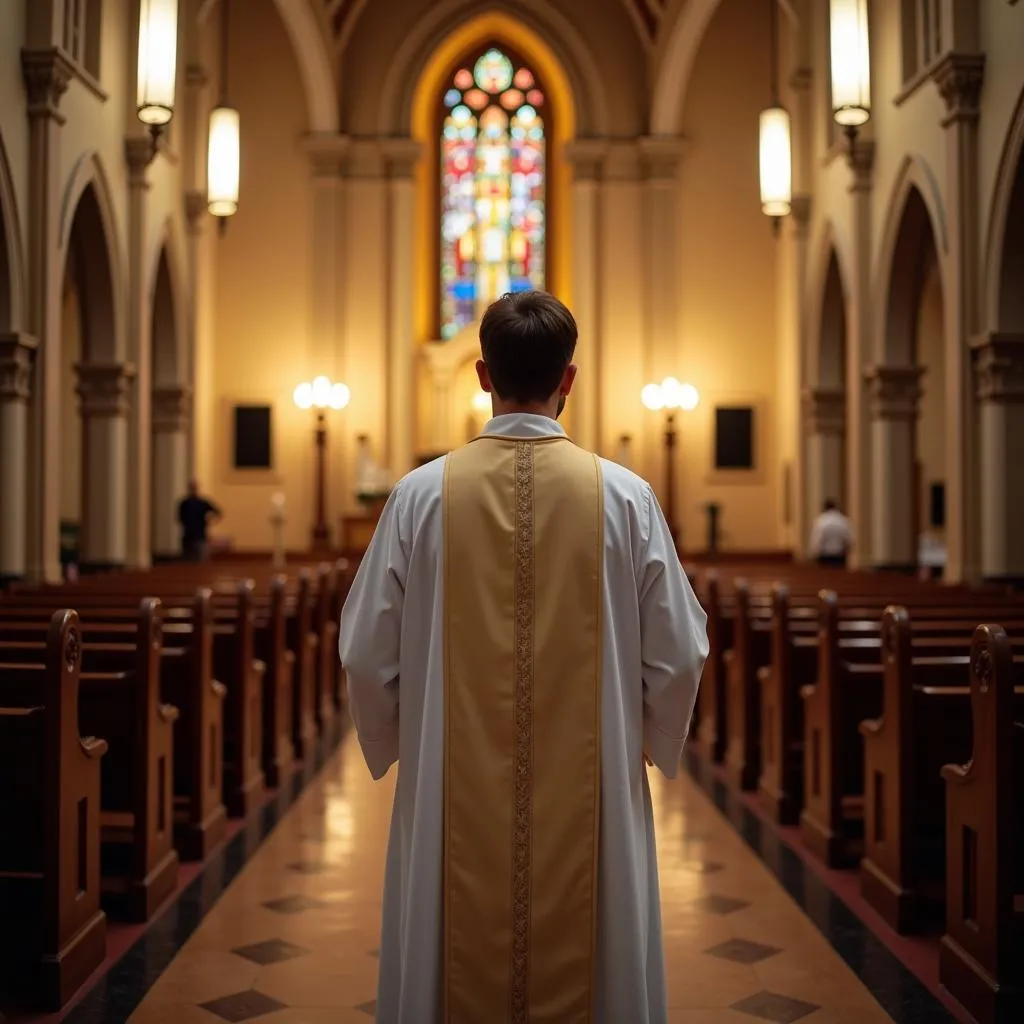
column 492, row 187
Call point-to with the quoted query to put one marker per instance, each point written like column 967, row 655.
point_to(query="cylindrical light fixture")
column 223, row 162
column 158, row 58
column 851, row 63
column 776, row 162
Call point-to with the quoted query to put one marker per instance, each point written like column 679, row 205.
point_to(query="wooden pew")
column 712, row 727
column 981, row 959
column 925, row 724
column 120, row 699
column 52, row 930
column 278, row 682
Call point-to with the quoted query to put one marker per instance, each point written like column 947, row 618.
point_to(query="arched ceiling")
column 340, row 17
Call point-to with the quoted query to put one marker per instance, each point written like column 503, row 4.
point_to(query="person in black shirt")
column 195, row 514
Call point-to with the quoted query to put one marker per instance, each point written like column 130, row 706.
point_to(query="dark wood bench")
column 120, row 699
column 981, row 959
column 924, row 725
column 52, row 930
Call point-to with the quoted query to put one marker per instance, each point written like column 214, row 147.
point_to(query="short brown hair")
column 527, row 340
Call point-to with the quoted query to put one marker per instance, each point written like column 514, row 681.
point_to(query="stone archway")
column 999, row 365
column 825, row 398
column 172, row 406
column 907, row 392
column 94, row 444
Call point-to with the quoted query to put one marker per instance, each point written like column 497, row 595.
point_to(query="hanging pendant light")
column 776, row 158
column 158, row 58
column 851, row 64
column 223, row 160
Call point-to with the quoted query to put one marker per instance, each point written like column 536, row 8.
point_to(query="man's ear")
column 568, row 379
column 483, row 377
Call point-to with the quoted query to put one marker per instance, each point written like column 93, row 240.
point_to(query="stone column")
column 199, row 372
column 894, row 392
column 661, row 156
column 400, row 157
column 959, row 78
column 104, row 390
column 16, row 355
column 791, row 378
column 584, row 413
column 172, row 417
column 1000, row 390
column 47, row 73
column 825, row 430
column 861, row 159
column 138, row 151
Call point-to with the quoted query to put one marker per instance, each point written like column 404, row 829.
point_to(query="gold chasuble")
column 523, row 562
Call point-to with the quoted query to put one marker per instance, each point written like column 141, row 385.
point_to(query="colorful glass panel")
column 493, row 178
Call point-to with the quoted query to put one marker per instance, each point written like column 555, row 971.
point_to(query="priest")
column 523, row 643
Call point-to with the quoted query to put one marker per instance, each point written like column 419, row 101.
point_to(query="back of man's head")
column 527, row 340
column 830, row 505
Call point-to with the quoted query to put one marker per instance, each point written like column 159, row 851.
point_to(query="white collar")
column 523, row 424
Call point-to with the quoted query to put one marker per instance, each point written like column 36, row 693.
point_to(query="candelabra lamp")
column 321, row 395
column 670, row 396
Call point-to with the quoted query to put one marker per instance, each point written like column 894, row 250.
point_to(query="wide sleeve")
column 674, row 644
column 369, row 640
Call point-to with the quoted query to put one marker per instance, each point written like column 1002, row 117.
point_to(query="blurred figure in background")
column 831, row 537
column 195, row 513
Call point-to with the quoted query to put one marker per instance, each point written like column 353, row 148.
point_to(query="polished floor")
column 294, row 938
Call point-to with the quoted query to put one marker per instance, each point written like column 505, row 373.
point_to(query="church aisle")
column 294, row 940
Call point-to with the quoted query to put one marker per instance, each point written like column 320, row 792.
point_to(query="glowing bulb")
column 688, row 397
column 851, row 62
column 321, row 392
column 652, row 397
column 340, row 396
column 223, row 161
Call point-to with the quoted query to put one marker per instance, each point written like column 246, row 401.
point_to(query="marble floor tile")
column 295, row 939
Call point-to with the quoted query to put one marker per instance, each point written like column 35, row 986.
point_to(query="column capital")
column 860, row 157
column 326, row 153
column 364, row 158
column 172, row 408
column 800, row 79
column 587, row 157
column 139, row 151
column 894, row 391
column 959, row 77
column 47, row 74
column 401, row 155
column 103, row 388
column 195, row 207
column 999, row 366
column 16, row 356
column 661, row 156
column 196, row 76
column 825, row 411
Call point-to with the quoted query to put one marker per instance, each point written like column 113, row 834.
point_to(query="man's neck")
column 548, row 409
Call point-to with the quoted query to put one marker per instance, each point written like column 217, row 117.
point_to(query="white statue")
column 372, row 481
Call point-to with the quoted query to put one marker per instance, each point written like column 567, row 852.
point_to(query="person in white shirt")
column 831, row 537
column 523, row 642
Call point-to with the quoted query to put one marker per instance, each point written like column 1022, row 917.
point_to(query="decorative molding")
column 47, row 74
column 860, row 158
column 17, row 352
column 825, row 411
column 587, row 157
column 999, row 366
column 139, row 152
column 894, row 391
column 195, row 208
column 401, row 157
column 661, row 156
column 104, row 388
column 327, row 154
column 196, row 76
column 801, row 79
column 959, row 77
column 624, row 161
column 364, row 158
column 172, row 409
